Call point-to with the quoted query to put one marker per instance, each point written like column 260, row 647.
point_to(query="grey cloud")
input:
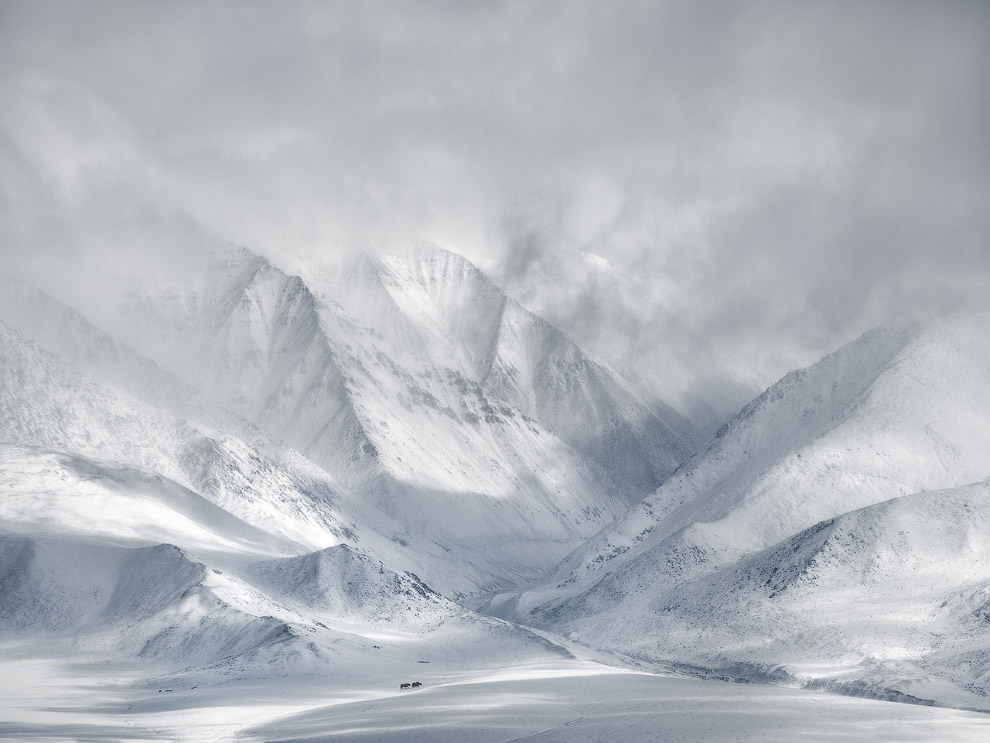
column 783, row 174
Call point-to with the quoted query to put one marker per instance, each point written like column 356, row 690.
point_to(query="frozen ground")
column 50, row 699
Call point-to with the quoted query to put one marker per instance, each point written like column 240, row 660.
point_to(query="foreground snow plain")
column 550, row 700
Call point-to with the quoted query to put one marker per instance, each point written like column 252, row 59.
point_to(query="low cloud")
column 781, row 175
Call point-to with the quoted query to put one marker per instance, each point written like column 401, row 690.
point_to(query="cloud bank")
column 780, row 175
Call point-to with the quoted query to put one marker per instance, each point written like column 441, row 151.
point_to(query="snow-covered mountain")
column 71, row 423
column 258, row 482
column 520, row 358
column 422, row 328
column 185, row 556
column 320, row 466
column 890, row 600
column 452, row 421
column 896, row 412
column 416, row 382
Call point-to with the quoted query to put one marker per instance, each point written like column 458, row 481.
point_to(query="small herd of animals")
column 413, row 685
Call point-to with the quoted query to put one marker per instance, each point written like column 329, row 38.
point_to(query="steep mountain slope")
column 535, row 367
column 248, row 337
column 261, row 341
column 437, row 395
column 895, row 412
column 260, row 347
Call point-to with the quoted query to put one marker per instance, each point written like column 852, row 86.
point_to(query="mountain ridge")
column 897, row 412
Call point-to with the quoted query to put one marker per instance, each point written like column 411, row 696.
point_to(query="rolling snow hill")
column 889, row 601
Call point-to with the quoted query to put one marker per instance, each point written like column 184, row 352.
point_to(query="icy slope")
column 895, row 412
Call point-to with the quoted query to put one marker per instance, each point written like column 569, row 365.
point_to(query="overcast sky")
column 784, row 174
